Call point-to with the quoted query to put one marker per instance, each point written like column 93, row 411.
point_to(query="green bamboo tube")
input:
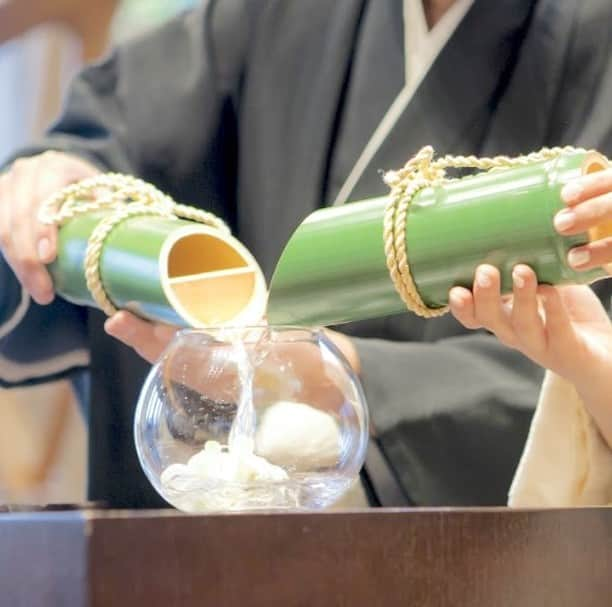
column 173, row 271
column 334, row 270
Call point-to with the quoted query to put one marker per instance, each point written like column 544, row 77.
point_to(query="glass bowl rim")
column 213, row 331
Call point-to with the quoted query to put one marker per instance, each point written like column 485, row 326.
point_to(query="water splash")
column 222, row 476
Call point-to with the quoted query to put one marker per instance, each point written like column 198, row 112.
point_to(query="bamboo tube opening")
column 211, row 279
column 199, row 253
column 593, row 163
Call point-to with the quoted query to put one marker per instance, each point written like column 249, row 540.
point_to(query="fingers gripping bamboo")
column 125, row 197
column 421, row 172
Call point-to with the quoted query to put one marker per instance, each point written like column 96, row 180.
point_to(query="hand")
column 148, row 339
column 589, row 206
column 564, row 329
column 25, row 242
column 346, row 346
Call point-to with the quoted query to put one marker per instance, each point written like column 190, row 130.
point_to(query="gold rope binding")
column 421, row 172
column 125, row 197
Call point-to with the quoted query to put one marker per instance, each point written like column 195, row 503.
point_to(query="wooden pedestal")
column 459, row 558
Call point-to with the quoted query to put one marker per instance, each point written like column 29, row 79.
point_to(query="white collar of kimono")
column 421, row 47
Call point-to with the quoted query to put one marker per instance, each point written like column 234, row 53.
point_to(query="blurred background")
column 43, row 440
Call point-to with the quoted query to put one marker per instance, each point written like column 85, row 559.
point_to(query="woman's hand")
column 563, row 329
column 589, row 206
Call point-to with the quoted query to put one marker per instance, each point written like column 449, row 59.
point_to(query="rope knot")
column 123, row 196
column 421, row 172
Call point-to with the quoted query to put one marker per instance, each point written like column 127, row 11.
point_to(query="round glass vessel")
column 251, row 418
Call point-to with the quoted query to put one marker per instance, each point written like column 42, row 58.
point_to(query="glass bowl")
column 251, row 418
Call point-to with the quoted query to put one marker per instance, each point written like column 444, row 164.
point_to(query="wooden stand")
column 459, row 558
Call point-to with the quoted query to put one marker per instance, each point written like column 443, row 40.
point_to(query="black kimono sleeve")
column 160, row 107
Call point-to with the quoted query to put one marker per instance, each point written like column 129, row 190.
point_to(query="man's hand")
column 347, row 347
column 148, row 339
column 26, row 243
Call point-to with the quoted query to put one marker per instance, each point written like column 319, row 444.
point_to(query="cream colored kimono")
column 566, row 461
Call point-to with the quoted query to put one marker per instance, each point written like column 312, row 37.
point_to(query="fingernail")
column 44, row 249
column 483, row 280
column 455, row 300
column 571, row 192
column 42, row 298
column 564, row 220
column 159, row 331
column 518, row 280
column 112, row 327
column 578, row 257
column 43, row 288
